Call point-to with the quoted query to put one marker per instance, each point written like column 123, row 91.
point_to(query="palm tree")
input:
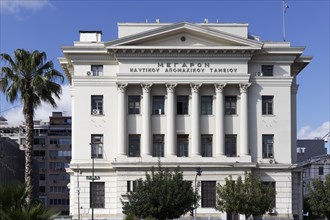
column 13, row 205
column 29, row 77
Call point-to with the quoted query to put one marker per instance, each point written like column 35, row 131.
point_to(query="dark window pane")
column 267, row 146
column 206, row 105
column 97, row 194
column 97, row 146
column 158, row 145
column 182, row 105
column 267, row 70
column 230, row 105
column 97, row 70
column 134, row 145
column 230, row 145
column 97, row 104
column 206, row 146
column 134, row 104
column 182, row 145
column 158, row 105
column 267, row 105
column 208, row 193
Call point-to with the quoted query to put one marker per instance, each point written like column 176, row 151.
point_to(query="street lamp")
column 93, row 177
column 78, row 191
column 198, row 173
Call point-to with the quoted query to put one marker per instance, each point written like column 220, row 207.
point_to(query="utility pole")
column 198, row 173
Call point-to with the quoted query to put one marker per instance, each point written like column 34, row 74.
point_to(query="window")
column 182, row 105
column 230, row 145
column 208, row 194
column 158, row 145
column 158, row 105
column 206, row 140
column 97, row 70
column 267, row 146
column 97, row 195
column 272, row 185
column 134, row 145
column 267, row 105
column 42, row 177
column 97, row 105
column 131, row 184
column 182, row 145
column 321, row 171
column 230, row 105
column 133, row 104
column 206, row 105
column 97, row 146
column 267, row 70
column 42, row 189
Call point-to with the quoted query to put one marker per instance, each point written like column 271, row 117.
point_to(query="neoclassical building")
column 206, row 95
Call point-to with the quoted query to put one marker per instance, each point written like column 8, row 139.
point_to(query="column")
column 146, row 121
column 195, row 121
column 219, row 121
column 244, row 119
column 170, row 120
column 122, row 136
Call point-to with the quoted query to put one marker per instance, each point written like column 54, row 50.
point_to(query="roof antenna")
column 157, row 20
column 206, row 20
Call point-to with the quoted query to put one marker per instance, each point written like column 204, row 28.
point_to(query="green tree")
column 13, row 205
column 162, row 195
column 29, row 77
column 319, row 197
column 251, row 197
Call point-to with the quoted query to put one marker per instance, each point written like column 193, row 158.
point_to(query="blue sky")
column 48, row 25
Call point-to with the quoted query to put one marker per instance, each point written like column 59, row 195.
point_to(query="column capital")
column 146, row 87
column 170, row 87
column 244, row 87
column 219, row 87
column 121, row 87
column 195, row 87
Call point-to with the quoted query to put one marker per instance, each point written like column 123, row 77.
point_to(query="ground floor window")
column 97, row 198
column 208, row 193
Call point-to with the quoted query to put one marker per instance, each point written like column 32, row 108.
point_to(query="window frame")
column 207, row 145
column 97, row 70
column 97, row 146
column 207, row 105
column 98, row 190
column 182, row 105
column 158, row 144
column 97, row 104
column 230, row 105
column 135, row 110
column 208, row 194
column 158, row 106
column 267, row 70
column 267, row 147
column 321, row 170
column 182, row 145
column 267, row 105
column 231, row 146
column 134, row 145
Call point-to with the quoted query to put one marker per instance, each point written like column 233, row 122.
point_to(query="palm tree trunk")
column 28, row 114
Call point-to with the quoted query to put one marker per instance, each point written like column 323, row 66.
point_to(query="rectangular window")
column 97, row 146
column 97, row 70
column 267, row 146
column 133, row 104
column 208, row 194
column 206, row 105
column 96, row 196
column 158, row 105
column 321, row 171
column 272, row 185
column 206, row 145
column 182, row 105
column 158, row 145
column 267, row 70
column 182, row 145
column 267, row 105
column 97, row 105
column 230, row 105
column 131, row 184
column 134, row 145
column 230, row 145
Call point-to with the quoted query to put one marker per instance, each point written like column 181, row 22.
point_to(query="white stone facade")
column 187, row 83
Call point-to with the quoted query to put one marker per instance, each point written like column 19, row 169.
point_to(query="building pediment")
column 184, row 36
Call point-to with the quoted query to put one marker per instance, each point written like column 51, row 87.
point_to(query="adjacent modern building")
column 204, row 95
column 52, row 151
column 310, row 148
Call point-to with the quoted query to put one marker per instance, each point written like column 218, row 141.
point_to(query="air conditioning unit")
column 88, row 73
column 258, row 74
column 96, row 112
column 272, row 211
column 272, row 161
column 158, row 111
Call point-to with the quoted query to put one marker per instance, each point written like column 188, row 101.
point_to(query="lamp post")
column 198, row 173
column 78, row 191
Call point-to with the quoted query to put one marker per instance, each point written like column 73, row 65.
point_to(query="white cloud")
column 15, row 6
column 15, row 116
column 307, row 132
